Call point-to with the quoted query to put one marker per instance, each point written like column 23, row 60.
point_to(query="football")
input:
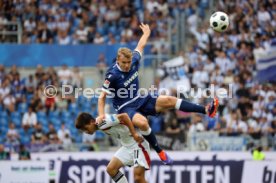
column 219, row 21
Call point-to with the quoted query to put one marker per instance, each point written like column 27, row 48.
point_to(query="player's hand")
column 138, row 138
column 99, row 119
column 145, row 28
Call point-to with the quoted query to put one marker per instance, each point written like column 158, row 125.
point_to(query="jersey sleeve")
column 109, row 121
column 108, row 83
column 136, row 57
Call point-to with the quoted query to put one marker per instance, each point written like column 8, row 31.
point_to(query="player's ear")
column 92, row 121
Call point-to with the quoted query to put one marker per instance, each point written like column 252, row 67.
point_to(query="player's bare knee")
column 165, row 102
column 122, row 116
column 171, row 101
column 111, row 170
column 144, row 125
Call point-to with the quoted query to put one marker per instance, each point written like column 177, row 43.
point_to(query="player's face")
column 90, row 128
column 124, row 63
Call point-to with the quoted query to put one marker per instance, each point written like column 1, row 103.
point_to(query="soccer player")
column 122, row 83
column 134, row 151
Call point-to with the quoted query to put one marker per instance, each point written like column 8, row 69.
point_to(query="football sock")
column 186, row 106
column 150, row 137
column 120, row 178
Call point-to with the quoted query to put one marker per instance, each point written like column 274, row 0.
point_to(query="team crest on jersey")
column 106, row 83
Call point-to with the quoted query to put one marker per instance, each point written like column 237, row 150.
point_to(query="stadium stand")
column 211, row 58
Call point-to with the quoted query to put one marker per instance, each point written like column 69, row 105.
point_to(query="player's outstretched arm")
column 143, row 40
column 124, row 119
column 101, row 105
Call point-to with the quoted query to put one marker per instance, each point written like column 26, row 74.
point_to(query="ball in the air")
column 219, row 21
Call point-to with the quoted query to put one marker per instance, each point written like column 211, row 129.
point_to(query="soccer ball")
column 219, row 21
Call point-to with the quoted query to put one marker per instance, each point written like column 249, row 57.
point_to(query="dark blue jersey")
column 123, row 86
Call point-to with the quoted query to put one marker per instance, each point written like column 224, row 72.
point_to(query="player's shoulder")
column 111, row 72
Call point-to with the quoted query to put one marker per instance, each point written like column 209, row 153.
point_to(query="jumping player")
column 122, row 82
column 134, row 151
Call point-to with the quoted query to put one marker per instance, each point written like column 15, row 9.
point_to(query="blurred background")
column 73, row 42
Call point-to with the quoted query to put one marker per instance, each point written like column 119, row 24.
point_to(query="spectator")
column 61, row 102
column 4, row 155
column 4, row 89
column 29, row 118
column 23, row 153
column 30, row 84
column 101, row 65
column 65, row 75
column 258, row 155
column 77, row 77
column 99, row 39
column 38, row 136
column 13, row 72
column 39, row 73
column 18, row 94
column 64, row 38
column 64, row 133
column 81, row 33
column 12, row 136
column 173, row 127
column 52, row 136
column 236, row 125
column 44, row 34
column 197, row 125
column 9, row 102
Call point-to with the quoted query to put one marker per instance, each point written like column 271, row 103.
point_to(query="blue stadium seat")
column 81, row 99
column 41, row 114
column 23, row 132
column 4, row 114
column 86, row 109
column 43, row 121
column 15, row 114
column 53, row 114
column 17, row 122
column 69, row 122
column 45, row 128
column 99, row 135
column 156, row 123
column 65, row 114
column 25, row 139
column 78, row 138
column 4, row 129
column 22, row 107
column 55, row 121
column 29, row 97
column 86, row 103
column 4, row 122
column 72, row 107
column 73, row 130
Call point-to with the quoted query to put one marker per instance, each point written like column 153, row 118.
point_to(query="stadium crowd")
column 27, row 115
column 228, row 61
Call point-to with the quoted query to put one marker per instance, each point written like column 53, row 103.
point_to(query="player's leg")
column 142, row 123
column 113, row 169
column 168, row 102
column 139, row 175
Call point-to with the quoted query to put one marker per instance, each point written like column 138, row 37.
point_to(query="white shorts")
column 135, row 155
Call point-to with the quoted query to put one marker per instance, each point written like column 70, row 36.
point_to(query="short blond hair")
column 124, row 52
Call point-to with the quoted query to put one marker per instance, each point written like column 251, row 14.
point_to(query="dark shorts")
column 143, row 105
